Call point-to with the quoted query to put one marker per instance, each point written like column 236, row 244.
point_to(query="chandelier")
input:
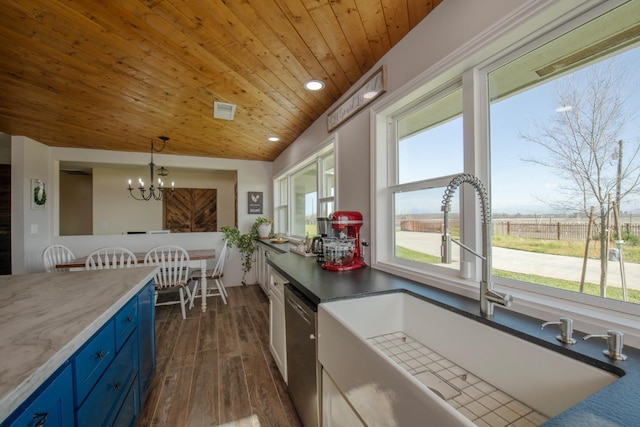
column 155, row 193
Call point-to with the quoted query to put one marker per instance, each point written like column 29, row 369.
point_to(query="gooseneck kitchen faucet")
column 488, row 295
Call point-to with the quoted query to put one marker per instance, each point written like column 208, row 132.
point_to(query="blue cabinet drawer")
column 112, row 388
column 92, row 360
column 126, row 416
column 53, row 405
column 126, row 320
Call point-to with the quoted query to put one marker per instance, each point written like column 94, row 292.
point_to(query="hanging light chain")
column 155, row 193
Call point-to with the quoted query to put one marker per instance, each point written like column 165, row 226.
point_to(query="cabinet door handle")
column 40, row 418
column 117, row 386
column 100, row 354
column 129, row 319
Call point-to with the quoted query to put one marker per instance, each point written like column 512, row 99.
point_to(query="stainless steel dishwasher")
column 302, row 360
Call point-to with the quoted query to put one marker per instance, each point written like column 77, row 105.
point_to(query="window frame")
column 527, row 289
column 317, row 158
column 473, row 64
column 280, row 204
column 324, row 196
column 395, row 186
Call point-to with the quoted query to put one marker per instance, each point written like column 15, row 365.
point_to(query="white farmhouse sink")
column 442, row 366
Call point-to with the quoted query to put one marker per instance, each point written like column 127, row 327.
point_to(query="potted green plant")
column 244, row 243
column 263, row 227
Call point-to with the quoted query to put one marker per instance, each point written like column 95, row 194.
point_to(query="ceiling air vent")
column 223, row 111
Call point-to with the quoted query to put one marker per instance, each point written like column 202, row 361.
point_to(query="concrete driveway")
column 556, row 266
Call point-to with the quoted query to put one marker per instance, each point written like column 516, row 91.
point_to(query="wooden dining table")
column 197, row 261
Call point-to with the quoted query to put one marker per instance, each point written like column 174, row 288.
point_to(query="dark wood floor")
column 215, row 368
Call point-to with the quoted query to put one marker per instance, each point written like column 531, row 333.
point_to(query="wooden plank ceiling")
column 115, row 75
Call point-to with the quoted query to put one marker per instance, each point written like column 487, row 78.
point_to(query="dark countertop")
column 614, row 405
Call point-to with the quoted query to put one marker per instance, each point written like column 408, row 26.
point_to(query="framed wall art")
column 256, row 202
column 372, row 88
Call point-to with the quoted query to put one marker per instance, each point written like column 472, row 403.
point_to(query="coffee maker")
column 342, row 252
column 324, row 230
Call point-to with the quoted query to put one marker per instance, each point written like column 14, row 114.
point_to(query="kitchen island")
column 47, row 321
column 614, row 405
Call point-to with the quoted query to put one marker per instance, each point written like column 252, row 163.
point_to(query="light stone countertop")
column 46, row 317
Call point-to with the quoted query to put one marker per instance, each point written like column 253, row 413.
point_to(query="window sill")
column 588, row 318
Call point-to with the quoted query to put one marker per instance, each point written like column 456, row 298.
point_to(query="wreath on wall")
column 39, row 194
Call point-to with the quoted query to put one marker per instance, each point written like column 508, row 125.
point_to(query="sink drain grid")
column 477, row 400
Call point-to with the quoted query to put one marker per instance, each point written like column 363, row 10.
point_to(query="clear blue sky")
column 517, row 185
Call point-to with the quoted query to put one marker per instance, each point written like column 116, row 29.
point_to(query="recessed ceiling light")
column 314, row 85
column 273, row 139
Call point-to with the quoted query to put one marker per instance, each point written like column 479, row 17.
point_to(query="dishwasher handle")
column 298, row 309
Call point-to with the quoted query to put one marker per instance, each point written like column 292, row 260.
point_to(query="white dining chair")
column 54, row 255
column 215, row 286
column 173, row 274
column 110, row 258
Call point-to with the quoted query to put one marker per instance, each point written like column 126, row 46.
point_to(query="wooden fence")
column 422, row 225
column 555, row 231
column 528, row 229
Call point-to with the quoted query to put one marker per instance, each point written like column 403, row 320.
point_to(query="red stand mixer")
column 343, row 252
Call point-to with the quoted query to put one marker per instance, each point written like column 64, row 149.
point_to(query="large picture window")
column 565, row 163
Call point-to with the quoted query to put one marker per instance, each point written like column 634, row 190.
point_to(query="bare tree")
column 584, row 147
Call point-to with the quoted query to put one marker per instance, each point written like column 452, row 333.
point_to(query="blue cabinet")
column 106, row 381
column 146, row 336
column 51, row 405
column 130, row 408
column 126, row 321
column 105, row 400
column 90, row 362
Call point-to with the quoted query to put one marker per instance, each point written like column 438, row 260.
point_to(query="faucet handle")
column 614, row 344
column 566, row 330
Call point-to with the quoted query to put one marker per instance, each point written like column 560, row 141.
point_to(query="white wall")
column 30, row 228
column 76, row 207
column 31, row 159
column 115, row 212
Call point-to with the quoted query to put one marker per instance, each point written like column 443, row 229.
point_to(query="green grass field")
column 562, row 247
column 589, row 288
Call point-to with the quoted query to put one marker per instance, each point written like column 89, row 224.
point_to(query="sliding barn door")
column 191, row 210
column 204, row 212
